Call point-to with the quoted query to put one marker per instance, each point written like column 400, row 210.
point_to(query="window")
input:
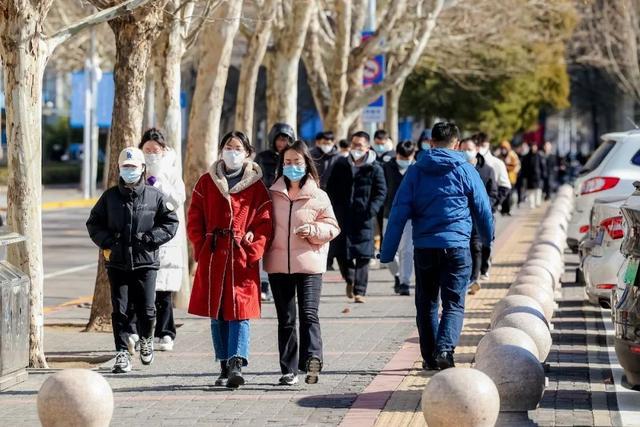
column 598, row 156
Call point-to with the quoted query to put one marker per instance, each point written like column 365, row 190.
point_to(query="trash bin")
column 14, row 312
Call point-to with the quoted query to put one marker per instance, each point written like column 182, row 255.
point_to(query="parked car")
column 601, row 263
column 609, row 172
column 626, row 312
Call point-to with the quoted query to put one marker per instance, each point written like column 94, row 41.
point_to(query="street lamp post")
column 90, row 136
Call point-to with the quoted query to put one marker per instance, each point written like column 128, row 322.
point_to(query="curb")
column 69, row 204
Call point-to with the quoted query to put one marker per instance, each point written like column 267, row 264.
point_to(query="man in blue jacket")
column 440, row 194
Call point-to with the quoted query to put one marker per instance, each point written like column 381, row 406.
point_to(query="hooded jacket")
column 357, row 194
column 290, row 254
column 440, row 194
column 227, row 279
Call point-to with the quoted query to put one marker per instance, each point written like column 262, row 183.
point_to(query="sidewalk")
column 372, row 368
column 580, row 388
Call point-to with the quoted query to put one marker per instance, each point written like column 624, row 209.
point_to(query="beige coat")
column 290, row 253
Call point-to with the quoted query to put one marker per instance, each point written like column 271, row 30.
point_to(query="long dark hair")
column 240, row 136
column 301, row 148
column 153, row 134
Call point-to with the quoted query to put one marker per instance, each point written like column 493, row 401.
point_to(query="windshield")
column 597, row 157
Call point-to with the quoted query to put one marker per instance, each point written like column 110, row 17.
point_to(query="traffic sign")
column 373, row 74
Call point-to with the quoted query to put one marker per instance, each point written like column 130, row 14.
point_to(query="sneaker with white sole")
column 122, row 363
column 165, row 344
column 146, row 350
column 133, row 343
column 288, row 379
column 314, row 366
column 484, row 277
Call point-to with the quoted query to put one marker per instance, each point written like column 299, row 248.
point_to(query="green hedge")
column 56, row 173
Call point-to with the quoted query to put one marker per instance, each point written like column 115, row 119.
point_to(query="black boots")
column 224, row 373
column 234, row 366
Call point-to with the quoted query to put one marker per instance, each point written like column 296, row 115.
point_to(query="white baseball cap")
column 131, row 156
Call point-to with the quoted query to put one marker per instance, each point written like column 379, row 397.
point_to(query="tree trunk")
column 24, row 56
column 168, row 52
column 282, row 88
column 393, row 107
column 283, row 62
column 134, row 36
column 215, row 45
column 245, row 103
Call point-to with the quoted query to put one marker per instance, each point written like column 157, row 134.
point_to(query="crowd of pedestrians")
column 267, row 226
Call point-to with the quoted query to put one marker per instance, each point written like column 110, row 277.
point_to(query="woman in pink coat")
column 304, row 225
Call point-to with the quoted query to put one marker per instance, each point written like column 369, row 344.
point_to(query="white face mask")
column 153, row 162
column 484, row 150
column 357, row 154
column 233, row 159
column 326, row 149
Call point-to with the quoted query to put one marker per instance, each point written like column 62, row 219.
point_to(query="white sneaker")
column 122, row 363
column 133, row 343
column 484, row 277
column 165, row 344
column 146, row 351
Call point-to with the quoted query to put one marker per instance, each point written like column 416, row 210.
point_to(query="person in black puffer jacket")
column 487, row 175
column 357, row 190
column 129, row 223
column 394, row 170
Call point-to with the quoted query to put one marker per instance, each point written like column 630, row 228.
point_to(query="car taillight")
column 613, row 226
column 599, row 183
column 584, row 229
column 606, row 286
column 635, row 349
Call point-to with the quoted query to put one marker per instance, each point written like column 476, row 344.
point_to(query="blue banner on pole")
column 104, row 105
column 373, row 74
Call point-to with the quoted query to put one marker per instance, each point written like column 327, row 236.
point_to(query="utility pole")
column 370, row 25
column 90, row 136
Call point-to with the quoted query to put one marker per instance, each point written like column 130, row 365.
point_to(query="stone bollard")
column 505, row 336
column 75, row 398
column 534, row 270
column 542, row 295
column 461, row 397
column 514, row 301
column 534, row 280
column 533, row 326
column 518, row 375
column 554, row 269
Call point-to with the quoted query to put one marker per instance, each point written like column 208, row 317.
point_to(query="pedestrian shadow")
column 373, row 400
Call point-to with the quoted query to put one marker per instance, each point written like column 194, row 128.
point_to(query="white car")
column 609, row 172
column 601, row 264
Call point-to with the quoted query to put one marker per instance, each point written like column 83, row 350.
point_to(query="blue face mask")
column 471, row 155
column 404, row 164
column 294, row 172
column 131, row 175
column 425, row 146
column 380, row 148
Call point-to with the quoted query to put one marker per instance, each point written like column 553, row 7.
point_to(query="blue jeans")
column 440, row 274
column 231, row 339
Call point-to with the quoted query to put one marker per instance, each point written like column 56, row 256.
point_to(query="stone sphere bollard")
column 533, row 326
column 544, row 282
column 505, row 336
column 77, row 398
column 535, row 270
column 539, row 293
column 518, row 375
column 513, row 301
column 549, row 265
column 460, row 397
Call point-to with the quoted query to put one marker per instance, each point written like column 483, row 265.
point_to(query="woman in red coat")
column 229, row 225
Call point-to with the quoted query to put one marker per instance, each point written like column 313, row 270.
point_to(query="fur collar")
column 252, row 174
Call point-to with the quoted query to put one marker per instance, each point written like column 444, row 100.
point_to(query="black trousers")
column 486, row 260
column 506, row 204
column 165, row 324
column 355, row 272
column 138, row 288
column 308, row 287
column 476, row 256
